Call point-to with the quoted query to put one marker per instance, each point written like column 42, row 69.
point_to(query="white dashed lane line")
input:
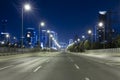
column 37, row 69
column 6, row 67
column 87, row 78
column 77, row 67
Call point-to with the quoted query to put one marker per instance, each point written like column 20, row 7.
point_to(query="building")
column 105, row 28
column 46, row 40
column 30, row 38
column 102, row 26
column 4, row 38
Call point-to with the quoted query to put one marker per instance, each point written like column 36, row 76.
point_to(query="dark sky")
column 66, row 17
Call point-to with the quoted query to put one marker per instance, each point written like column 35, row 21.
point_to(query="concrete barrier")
column 13, row 51
column 113, row 51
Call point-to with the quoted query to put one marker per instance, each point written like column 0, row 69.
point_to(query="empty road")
column 63, row 66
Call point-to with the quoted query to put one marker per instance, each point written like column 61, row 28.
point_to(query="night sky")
column 66, row 17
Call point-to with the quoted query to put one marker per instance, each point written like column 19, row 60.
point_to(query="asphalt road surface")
column 64, row 66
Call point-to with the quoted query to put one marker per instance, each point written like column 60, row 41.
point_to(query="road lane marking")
column 6, row 67
column 87, row 78
column 76, row 66
column 37, row 69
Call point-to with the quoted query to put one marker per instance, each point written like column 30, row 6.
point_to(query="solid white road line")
column 6, row 67
column 76, row 66
column 37, row 69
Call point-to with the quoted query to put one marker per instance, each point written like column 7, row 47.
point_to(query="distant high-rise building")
column 31, row 37
column 46, row 40
column 4, row 37
column 101, row 29
column 55, row 37
column 104, row 28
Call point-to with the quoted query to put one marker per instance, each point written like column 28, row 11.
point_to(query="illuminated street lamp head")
column 48, row 31
column 42, row 24
column 89, row 31
column 7, row 35
column 14, row 37
column 28, row 35
column 83, row 36
column 51, row 36
column 100, row 24
column 27, row 7
column 78, row 39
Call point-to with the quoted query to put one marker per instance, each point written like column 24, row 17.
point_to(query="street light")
column 26, row 7
column 100, row 24
column 78, row 40
column 83, row 37
column 51, row 36
column 48, row 31
column 28, row 35
column 42, row 24
column 7, row 35
column 90, row 36
column 89, row 32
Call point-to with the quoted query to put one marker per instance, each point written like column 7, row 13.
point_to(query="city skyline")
column 66, row 19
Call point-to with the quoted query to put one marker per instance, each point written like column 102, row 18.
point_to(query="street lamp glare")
column 78, row 39
column 28, row 35
column 51, row 36
column 42, row 24
column 83, row 36
column 100, row 24
column 27, row 7
column 48, row 31
column 7, row 36
column 89, row 31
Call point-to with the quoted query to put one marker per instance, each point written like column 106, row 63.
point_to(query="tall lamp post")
column 26, row 7
column 42, row 24
column 90, row 35
column 7, row 36
column 101, row 25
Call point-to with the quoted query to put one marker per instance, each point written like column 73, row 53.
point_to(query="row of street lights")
column 54, row 40
column 27, row 7
column 90, row 32
column 101, row 25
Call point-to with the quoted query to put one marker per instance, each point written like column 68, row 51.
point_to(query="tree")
column 87, row 45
